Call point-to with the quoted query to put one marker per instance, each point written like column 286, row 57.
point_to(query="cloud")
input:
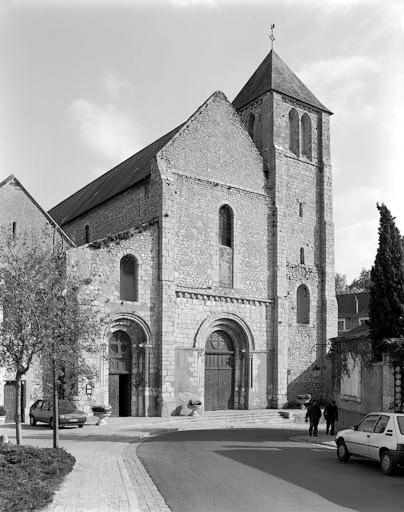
column 342, row 83
column 106, row 129
column 115, row 85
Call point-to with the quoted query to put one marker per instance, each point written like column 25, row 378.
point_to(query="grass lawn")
column 30, row 476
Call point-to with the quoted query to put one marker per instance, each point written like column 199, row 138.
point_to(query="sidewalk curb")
column 128, row 485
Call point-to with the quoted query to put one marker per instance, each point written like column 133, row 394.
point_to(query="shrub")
column 101, row 408
column 30, row 476
column 3, row 411
column 194, row 402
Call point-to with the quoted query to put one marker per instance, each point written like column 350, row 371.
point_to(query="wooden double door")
column 219, row 372
column 126, row 375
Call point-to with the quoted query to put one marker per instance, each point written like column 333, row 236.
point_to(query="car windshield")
column 400, row 421
column 67, row 406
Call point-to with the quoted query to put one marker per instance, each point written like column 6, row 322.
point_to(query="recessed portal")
column 120, row 358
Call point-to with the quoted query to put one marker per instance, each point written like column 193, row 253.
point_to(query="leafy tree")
column 43, row 319
column 386, row 304
column 340, row 283
column 361, row 283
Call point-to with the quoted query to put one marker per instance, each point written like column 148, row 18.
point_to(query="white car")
column 379, row 436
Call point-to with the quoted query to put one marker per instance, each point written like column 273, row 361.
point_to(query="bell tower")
column 290, row 128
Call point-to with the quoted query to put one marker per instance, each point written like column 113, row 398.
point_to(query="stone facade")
column 97, row 266
column 301, row 192
column 215, row 319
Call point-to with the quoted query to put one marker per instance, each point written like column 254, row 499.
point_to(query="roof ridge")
column 89, row 196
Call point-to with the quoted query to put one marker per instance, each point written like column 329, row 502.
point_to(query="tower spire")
column 272, row 37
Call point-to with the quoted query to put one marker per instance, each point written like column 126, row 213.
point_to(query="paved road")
column 263, row 470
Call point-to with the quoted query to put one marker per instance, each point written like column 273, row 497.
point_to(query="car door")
column 36, row 409
column 382, row 435
column 357, row 442
column 46, row 411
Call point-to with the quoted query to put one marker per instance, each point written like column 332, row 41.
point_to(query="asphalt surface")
column 263, row 470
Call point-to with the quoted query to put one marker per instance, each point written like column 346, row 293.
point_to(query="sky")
column 86, row 83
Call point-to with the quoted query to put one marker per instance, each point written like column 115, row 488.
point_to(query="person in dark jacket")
column 313, row 415
column 331, row 416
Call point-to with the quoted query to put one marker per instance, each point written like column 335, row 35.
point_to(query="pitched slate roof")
column 274, row 75
column 125, row 175
column 347, row 304
column 360, row 333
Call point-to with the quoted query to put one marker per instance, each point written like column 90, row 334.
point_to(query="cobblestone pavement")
column 108, row 476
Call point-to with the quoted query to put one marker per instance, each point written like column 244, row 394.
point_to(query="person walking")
column 331, row 416
column 313, row 415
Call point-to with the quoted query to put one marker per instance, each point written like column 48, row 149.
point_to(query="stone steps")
column 217, row 420
column 236, row 416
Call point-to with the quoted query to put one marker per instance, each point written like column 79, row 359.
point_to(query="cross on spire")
column 272, row 37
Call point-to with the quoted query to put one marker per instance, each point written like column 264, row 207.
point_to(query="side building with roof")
column 210, row 255
column 23, row 219
column 353, row 310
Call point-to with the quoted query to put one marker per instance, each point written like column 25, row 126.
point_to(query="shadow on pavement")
column 345, row 489
column 256, row 435
column 44, row 433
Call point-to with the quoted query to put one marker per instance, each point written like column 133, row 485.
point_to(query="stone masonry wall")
column 303, row 182
column 212, row 162
column 298, row 184
column 192, row 310
column 31, row 223
column 98, row 268
column 131, row 208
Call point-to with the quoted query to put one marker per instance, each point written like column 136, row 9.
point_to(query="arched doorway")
column 219, row 371
column 227, row 344
column 120, row 369
column 129, row 344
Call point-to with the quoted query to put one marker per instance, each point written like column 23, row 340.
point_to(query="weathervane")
column 272, row 37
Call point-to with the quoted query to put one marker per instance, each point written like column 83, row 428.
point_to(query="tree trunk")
column 17, row 416
column 55, row 406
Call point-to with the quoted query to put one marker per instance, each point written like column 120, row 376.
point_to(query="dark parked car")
column 42, row 410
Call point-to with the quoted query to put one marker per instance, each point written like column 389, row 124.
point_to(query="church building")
column 209, row 255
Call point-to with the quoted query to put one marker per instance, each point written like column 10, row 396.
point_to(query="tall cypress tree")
column 386, row 304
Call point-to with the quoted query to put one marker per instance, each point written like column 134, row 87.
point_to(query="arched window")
column 294, row 131
column 226, row 226
column 301, row 256
column 128, row 278
column 87, row 233
column 303, row 305
column 306, row 136
column 250, row 125
column 226, row 246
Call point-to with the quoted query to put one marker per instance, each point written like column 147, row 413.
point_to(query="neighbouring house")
column 22, row 217
column 353, row 310
column 360, row 384
column 209, row 255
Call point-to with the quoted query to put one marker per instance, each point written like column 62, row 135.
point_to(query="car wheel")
column 81, row 425
column 32, row 421
column 386, row 463
column 51, row 423
column 342, row 452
